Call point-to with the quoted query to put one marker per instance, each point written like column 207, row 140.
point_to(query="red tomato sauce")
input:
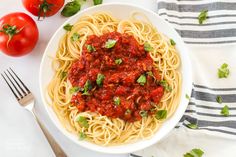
column 120, row 80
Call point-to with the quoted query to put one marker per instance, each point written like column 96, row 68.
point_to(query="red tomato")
column 42, row 8
column 18, row 34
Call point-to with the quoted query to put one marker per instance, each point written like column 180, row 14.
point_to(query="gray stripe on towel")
column 197, row 7
column 207, row 34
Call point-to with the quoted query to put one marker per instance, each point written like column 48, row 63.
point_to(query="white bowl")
column 121, row 11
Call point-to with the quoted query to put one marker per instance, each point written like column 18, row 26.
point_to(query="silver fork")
column 26, row 99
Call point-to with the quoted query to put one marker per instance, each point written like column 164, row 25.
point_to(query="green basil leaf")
column 74, row 90
column 90, row 48
column 143, row 113
column 128, row 111
column 63, row 75
column 110, row 43
column 71, row 8
column 82, row 121
column 164, row 84
column 196, row 152
column 142, row 80
column 117, row 100
column 82, row 135
column 68, row 27
column 118, row 61
column 147, row 47
column 187, row 96
column 202, row 16
column 99, row 80
column 161, row 114
column 75, row 37
column 192, row 126
column 172, row 42
column 225, row 111
column 87, row 87
column 219, row 99
column 97, row 2
column 223, row 71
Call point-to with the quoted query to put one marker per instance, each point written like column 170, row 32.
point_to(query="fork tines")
column 17, row 87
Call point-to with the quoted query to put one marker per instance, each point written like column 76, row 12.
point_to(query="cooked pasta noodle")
column 103, row 130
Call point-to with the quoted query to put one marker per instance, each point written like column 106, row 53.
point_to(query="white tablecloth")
column 19, row 134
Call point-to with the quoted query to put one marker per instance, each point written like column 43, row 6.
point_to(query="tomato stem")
column 44, row 7
column 10, row 31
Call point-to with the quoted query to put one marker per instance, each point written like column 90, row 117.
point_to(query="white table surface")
column 20, row 136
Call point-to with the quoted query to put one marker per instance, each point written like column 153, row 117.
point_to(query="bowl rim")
column 105, row 149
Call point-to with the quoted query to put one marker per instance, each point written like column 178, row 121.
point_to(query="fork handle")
column 58, row 151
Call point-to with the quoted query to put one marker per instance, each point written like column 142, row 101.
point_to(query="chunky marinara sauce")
column 120, row 95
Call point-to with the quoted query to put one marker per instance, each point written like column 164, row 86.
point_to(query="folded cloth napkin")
column 210, row 45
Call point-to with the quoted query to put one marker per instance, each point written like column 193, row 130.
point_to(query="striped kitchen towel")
column 203, row 110
column 219, row 28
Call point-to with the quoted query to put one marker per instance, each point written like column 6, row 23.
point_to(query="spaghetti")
column 96, row 127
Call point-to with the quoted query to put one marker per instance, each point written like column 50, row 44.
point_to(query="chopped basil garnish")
column 110, row 43
column 82, row 121
column 97, row 2
column 118, row 61
column 143, row 113
column 71, row 8
column 90, row 48
column 147, row 47
column 161, row 114
column 192, row 126
column 225, row 111
column 187, row 96
column 172, row 42
column 150, row 73
column 99, row 80
column 128, row 111
column 219, row 99
column 194, row 153
column 165, row 85
column 82, row 135
column 74, row 90
column 142, row 80
column 202, row 16
column 87, row 87
column 63, row 75
column 116, row 100
column 68, row 27
column 223, row 71
column 75, row 37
